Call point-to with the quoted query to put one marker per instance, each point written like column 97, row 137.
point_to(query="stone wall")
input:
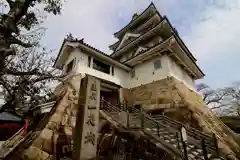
column 61, row 119
column 153, row 94
column 55, row 138
column 57, row 132
column 178, row 97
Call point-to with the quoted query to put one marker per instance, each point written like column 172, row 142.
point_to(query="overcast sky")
column 210, row 29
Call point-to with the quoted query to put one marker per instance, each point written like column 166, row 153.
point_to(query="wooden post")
column 215, row 143
column 127, row 119
column 204, row 150
column 86, row 128
column 178, row 141
column 184, row 144
column 158, row 130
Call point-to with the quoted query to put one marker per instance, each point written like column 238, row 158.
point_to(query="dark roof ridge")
column 157, row 13
column 140, row 36
column 179, row 38
column 151, row 4
column 81, row 41
column 157, row 44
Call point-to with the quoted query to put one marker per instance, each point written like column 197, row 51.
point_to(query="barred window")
column 133, row 73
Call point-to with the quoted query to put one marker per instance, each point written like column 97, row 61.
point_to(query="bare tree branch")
column 223, row 100
column 20, row 15
column 20, row 73
column 7, row 86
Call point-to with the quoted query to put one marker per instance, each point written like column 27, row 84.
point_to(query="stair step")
column 195, row 153
column 196, row 156
column 199, row 150
column 175, row 145
column 189, row 147
column 159, row 144
column 209, row 155
column 173, row 140
column 191, row 156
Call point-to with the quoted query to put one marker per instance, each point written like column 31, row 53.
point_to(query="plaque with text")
column 88, row 118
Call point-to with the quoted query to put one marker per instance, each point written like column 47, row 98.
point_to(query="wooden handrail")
column 196, row 134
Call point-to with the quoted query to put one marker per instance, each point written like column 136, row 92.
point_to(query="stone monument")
column 86, row 129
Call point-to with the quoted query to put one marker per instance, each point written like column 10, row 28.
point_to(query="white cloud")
column 211, row 27
column 218, row 33
column 95, row 20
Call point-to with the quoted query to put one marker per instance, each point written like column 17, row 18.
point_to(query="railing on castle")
column 210, row 141
column 138, row 119
column 195, row 136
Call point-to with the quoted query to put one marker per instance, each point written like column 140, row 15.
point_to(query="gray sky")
column 210, row 29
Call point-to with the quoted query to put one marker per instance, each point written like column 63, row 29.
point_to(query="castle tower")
column 152, row 47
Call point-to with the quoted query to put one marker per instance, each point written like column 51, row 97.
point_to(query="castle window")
column 157, row 64
column 89, row 61
column 100, row 66
column 113, row 71
column 132, row 73
column 70, row 66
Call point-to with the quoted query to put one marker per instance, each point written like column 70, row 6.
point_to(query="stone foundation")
column 174, row 99
column 152, row 95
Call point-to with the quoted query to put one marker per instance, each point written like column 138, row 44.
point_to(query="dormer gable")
column 126, row 37
column 139, row 50
column 137, row 18
column 71, row 44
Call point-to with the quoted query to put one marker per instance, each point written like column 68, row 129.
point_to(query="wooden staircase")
column 166, row 133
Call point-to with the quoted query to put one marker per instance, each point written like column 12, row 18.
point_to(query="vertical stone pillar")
column 91, row 63
column 86, row 129
column 121, row 98
column 110, row 70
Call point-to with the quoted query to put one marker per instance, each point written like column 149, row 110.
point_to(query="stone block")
column 12, row 142
column 68, row 130
column 34, row 153
column 65, row 120
column 153, row 101
column 61, row 108
column 74, row 111
column 73, row 121
column 45, row 137
column 56, row 117
column 69, row 108
column 53, row 126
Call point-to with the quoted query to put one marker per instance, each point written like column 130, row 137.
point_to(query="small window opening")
column 69, row 66
column 100, row 66
column 89, row 61
column 133, row 73
column 157, row 64
column 113, row 71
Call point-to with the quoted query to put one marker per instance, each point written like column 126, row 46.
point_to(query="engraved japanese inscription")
column 91, row 118
column 90, row 138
